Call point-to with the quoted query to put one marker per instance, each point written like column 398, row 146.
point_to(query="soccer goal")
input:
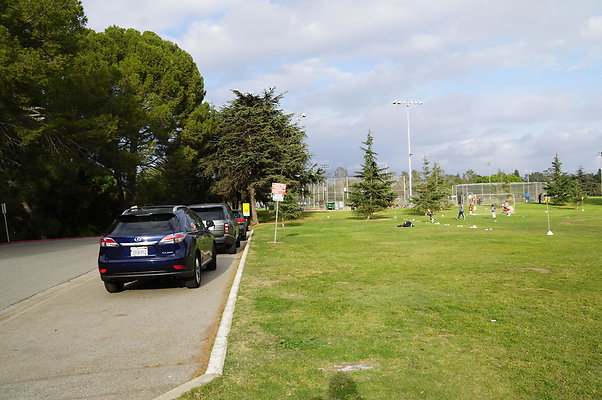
column 480, row 203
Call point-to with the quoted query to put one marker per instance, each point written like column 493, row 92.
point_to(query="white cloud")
column 594, row 27
column 511, row 82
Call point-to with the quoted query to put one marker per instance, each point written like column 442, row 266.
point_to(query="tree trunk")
column 254, row 219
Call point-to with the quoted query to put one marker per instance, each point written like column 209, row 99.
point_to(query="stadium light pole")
column 408, row 103
column 599, row 154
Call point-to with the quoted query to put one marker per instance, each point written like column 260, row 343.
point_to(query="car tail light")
column 103, row 270
column 108, row 242
column 173, row 238
column 226, row 229
column 240, row 221
column 179, row 266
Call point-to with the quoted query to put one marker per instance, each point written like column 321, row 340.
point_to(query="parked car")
column 243, row 224
column 225, row 229
column 156, row 242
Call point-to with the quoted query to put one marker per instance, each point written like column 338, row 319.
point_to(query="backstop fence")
column 516, row 192
column 333, row 193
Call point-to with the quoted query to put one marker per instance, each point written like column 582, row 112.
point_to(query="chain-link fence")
column 525, row 192
column 333, row 193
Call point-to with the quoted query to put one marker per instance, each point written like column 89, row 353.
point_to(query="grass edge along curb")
column 220, row 346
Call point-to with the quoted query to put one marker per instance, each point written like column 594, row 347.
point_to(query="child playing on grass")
column 461, row 212
column 493, row 212
column 430, row 215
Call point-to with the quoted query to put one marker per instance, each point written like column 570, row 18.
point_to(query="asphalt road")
column 62, row 336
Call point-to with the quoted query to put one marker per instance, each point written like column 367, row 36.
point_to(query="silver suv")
column 225, row 229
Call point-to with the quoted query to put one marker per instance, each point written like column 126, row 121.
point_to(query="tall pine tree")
column 433, row 190
column 373, row 192
column 559, row 183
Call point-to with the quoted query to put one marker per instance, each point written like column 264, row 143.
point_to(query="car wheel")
column 238, row 241
column 195, row 281
column 114, row 287
column 213, row 263
column 232, row 249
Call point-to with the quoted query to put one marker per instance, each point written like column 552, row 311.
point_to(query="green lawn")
column 436, row 311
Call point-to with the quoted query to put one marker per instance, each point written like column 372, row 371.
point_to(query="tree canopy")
column 85, row 114
column 256, row 144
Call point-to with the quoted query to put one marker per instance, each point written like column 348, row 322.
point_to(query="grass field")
column 436, row 311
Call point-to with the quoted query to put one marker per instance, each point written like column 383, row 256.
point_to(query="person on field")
column 430, row 215
column 506, row 209
column 461, row 212
column 493, row 213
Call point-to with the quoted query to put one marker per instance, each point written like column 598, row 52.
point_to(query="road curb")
column 220, row 346
column 47, row 240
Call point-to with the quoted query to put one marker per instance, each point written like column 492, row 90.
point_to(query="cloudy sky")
column 505, row 84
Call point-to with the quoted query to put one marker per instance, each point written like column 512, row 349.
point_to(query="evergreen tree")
column 85, row 114
column 290, row 208
column 500, row 177
column 373, row 192
column 256, row 144
column 588, row 182
column 470, row 176
column 559, row 183
column 433, row 190
column 40, row 174
column 576, row 194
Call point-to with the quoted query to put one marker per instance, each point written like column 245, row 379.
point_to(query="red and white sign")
column 278, row 188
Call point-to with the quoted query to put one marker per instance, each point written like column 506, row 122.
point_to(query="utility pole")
column 599, row 154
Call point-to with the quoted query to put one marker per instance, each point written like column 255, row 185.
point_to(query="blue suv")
column 156, row 242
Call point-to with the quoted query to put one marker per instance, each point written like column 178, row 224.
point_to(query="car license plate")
column 139, row 251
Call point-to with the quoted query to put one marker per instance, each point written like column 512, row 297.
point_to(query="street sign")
column 246, row 209
column 278, row 192
column 278, row 188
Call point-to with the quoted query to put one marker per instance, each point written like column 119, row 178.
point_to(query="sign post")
column 278, row 192
column 5, row 222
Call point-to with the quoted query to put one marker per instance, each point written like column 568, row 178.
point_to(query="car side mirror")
column 209, row 224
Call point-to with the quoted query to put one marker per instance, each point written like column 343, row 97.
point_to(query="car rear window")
column 144, row 224
column 209, row 213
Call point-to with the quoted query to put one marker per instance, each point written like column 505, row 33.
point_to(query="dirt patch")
column 540, row 270
column 539, row 289
column 353, row 367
